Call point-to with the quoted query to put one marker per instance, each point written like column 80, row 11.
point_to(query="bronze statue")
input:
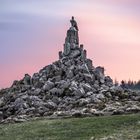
column 74, row 23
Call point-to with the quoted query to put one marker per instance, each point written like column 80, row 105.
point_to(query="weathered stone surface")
column 77, row 113
column 133, row 109
column 87, row 87
column 51, row 105
column 75, row 54
column 27, row 79
column 100, row 96
column 48, row 85
column 1, row 101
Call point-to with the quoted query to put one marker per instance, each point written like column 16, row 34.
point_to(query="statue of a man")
column 74, row 23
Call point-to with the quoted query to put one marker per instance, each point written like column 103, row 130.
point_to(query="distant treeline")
column 129, row 84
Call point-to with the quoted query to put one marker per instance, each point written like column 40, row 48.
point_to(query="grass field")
column 103, row 128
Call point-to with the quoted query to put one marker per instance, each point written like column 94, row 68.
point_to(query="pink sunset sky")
column 32, row 32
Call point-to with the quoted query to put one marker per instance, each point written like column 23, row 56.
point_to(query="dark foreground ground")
column 125, row 127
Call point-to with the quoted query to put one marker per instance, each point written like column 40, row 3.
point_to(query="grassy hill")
column 125, row 127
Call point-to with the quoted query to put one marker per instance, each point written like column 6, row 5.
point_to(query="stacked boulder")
column 71, row 86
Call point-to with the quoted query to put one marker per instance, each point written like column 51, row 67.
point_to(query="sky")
column 33, row 31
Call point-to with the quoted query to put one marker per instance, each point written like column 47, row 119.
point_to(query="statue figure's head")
column 72, row 18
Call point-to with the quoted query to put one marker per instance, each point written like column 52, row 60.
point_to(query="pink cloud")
column 109, row 32
column 112, row 40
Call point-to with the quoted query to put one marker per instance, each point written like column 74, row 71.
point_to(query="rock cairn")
column 71, row 86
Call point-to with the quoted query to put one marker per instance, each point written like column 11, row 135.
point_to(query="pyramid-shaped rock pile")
column 71, row 86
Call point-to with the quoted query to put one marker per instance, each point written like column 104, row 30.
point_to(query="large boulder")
column 48, row 85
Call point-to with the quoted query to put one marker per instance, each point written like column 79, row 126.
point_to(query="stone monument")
column 70, row 86
column 71, row 46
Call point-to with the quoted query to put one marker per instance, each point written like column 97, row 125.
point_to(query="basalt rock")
column 70, row 86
